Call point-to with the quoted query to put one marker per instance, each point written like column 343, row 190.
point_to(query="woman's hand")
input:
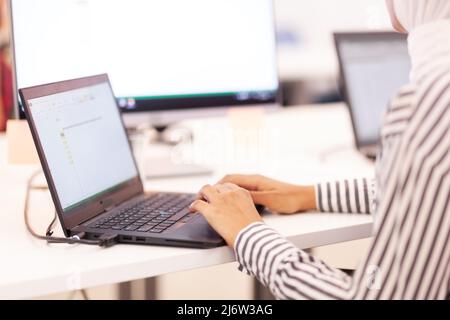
column 228, row 209
column 277, row 196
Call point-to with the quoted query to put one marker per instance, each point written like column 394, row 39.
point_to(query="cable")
column 84, row 294
column 105, row 240
column 49, row 231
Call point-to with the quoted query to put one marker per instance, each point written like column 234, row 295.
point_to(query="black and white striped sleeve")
column 288, row 272
column 409, row 257
column 346, row 196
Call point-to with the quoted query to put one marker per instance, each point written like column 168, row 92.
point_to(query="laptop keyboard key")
column 165, row 225
column 144, row 228
column 154, row 214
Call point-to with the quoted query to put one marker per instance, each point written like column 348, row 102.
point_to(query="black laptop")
column 373, row 65
column 92, row 174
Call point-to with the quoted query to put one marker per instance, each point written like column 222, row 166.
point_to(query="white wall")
column 315, row 20
column 313, row 23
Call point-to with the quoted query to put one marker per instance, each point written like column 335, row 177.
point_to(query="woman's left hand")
column 228, row 209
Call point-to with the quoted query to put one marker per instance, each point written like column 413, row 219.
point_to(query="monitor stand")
column 158, row 161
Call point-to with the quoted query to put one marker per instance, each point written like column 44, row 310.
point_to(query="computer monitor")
column 167, row 59
column 374, row 65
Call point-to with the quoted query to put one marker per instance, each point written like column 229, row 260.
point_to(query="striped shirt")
column 409, row 257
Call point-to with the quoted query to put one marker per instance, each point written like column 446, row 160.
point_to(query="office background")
column 307, row 60
column 308, row 72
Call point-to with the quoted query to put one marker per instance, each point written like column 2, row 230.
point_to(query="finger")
column 208, row 193
column 262, row 198
column 222, row 188
column 226, row 187
column 199, row 206
column 249, row 182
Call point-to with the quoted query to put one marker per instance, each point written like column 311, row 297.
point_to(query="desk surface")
column 305, row 145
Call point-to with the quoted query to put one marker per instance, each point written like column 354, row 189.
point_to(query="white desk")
column 31, row 268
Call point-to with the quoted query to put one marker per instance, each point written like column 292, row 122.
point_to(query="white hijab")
column 428, row 25
column 414, row 13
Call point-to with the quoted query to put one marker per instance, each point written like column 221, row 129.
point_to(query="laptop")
column 92, row 174
column 373, row 67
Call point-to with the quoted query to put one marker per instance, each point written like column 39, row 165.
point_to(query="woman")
column 410, row 253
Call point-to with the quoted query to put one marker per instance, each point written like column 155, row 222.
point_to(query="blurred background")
column 308, row 70
column 308, row 67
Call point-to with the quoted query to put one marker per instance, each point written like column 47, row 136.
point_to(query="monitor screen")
column 84, row 143
column 159, row 54
column 374, row 67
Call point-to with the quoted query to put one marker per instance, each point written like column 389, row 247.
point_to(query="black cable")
column 104, row 241
column 48, row 237
column 84, row 294
column 49, row 231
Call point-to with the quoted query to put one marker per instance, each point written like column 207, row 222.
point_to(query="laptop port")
column 140, row 239
column 127, row 238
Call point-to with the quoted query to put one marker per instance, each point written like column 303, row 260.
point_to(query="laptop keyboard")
column 154, row 214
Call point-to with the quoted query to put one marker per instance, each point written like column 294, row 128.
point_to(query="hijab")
column 428, row 25
column 414, row 13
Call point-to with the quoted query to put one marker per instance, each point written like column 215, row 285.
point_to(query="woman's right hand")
column 277, row 196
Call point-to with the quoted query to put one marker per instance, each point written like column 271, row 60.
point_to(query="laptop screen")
column 374, row 67
column 84, row 142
